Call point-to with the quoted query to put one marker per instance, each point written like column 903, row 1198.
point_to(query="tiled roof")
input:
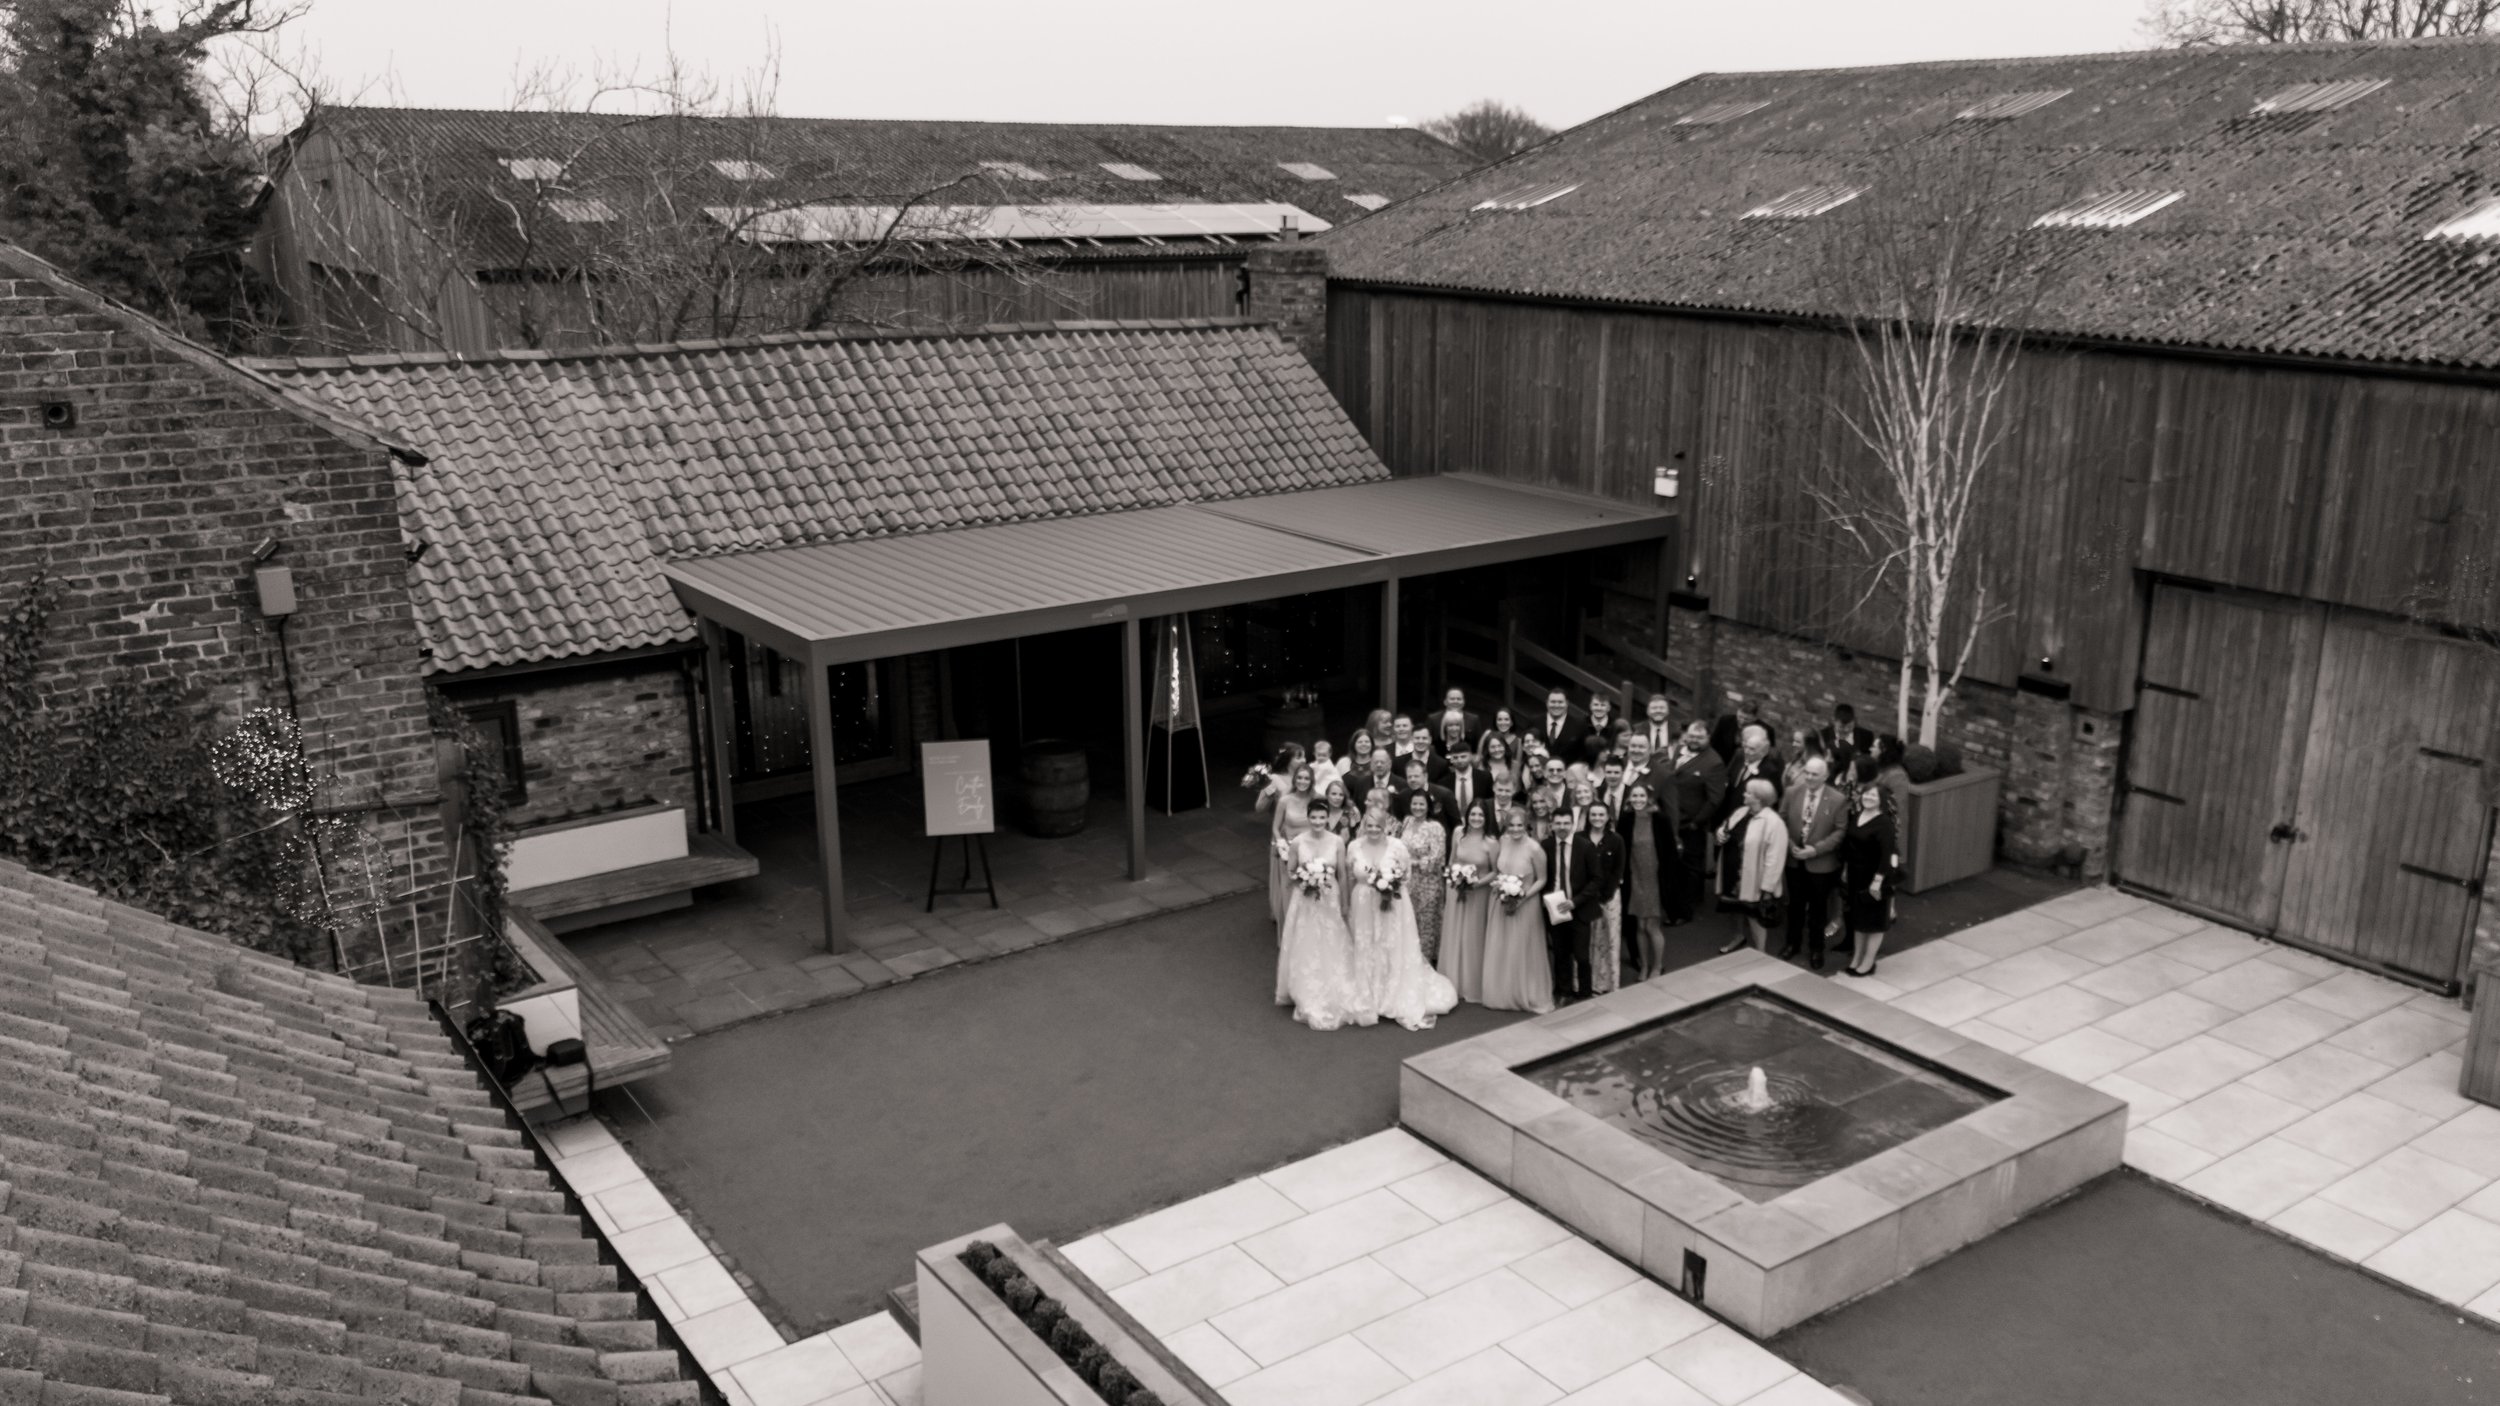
column 455, row 161
column 2297, row 233
column 229, row 1181
column 556, row 483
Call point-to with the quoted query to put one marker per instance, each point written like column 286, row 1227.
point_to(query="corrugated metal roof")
column 2110, row 210
column 892, row 595
column 2004, row 107
column 859, row 224
column 1805, row 202
column 2299, row 235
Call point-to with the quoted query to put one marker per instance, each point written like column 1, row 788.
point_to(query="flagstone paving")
column 2308, row 1095
column 1382, row 1272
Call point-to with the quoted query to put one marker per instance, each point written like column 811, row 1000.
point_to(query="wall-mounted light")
column 1666, row 482
column 2047, row 665
column 268, row 548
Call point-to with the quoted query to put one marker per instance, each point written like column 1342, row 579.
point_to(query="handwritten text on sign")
column 955, row 787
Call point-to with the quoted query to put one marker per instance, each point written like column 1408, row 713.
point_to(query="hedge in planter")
column 1049, row 1321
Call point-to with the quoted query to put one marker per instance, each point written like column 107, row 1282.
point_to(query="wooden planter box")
column 2480, row 1079
column 974, row 1351
column 1949, row 828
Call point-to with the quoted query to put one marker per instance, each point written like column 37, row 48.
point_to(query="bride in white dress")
column 1314, row 954
column 1392, row 981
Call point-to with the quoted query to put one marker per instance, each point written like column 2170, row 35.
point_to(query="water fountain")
column 1743, row 1124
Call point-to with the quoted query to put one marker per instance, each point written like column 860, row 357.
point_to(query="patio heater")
column 1176, row 749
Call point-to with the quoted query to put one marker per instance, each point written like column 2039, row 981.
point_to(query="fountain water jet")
column 1757, row 1096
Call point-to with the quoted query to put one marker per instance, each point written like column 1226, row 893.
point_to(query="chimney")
column 1286, row 285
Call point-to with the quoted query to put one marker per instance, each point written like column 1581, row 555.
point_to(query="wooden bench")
column 614, row 895
column 621, row 1048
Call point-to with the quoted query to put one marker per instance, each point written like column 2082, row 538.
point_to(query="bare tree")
column 2196, row 22
column 1489, row 130
column 1935, row 284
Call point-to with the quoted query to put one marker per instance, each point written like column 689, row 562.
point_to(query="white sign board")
column 955, row 787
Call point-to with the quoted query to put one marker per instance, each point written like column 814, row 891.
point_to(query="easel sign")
column 959, row 802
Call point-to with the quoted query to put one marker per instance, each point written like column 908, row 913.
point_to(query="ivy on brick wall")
column 114, row 789
column 486, row 821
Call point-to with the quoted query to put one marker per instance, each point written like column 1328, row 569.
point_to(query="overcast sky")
column 1342, row 62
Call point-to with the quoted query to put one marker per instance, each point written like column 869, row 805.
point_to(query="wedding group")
column 1461, row 858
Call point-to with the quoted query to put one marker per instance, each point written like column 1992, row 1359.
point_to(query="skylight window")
column 1308, row 171
column 1368, row 202
column 2005, row 106
column 744, row 170
column 1528, row 197
column 1805, row 202
column 2112, row 210
column 1713, row 114
column 2317, row 97
column 2481, row 222
column 534, row 168
column 1013, row 170
column 581, row 212
column 1128, row 171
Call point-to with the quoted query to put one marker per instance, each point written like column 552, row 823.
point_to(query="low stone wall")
column 2060, row 760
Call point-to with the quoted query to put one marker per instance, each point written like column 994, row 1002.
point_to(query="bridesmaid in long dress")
column 1429, row 844
column 1284, row 802
column 1464, row 913
column 1518, row 975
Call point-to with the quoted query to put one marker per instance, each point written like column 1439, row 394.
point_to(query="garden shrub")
column 1049, row 1320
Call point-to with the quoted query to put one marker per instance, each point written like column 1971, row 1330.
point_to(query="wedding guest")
column 1870, row 868
column 1497, row 759
column 1505, row 798
column 1729, row 734
column 1324, row 767
column 1466, row 780
column 1844, row 741
column 1401, row 738
column 1597, row 833
column 1563, row 730
column 1441, row 805
column 1542, row 809
column 1648, row 856
column 1429, row 844
column 1341, row 813
column 1286, row 802
column 1804, row 743
column 1578, row 870
column 1611, row 784
column 1655, row 728
column 1604, row 729
column 1813, row 814
column 1755, row 758
column 1454, row 705
column 1454, row 739
column 1376, row 722
column 1505, row 728
column 1759, row 844
column 1356, row 759
column 1700, row 780
column 1380, row 774
column 1518, row 968
column 1644, row 767
column 1895, row 779
column 1466, row 911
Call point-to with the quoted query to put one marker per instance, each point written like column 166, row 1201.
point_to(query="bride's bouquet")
column 1313, row 876
column 1510, row 888
column 1257, row 776
column 1463, row 877
column 1390, row 884
column 1283, row 848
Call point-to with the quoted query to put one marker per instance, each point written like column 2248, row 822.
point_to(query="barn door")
column 2393, row 825
column 2213, row 759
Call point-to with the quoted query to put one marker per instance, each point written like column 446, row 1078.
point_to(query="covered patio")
column 838, row 603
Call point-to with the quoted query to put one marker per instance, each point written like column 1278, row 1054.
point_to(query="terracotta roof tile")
column 555, row 485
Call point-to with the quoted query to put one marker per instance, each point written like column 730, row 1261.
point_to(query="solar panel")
column 1308, row 171
column 1368, row 202
column 1016, row 169
column 2317, row 97
column 1713, row 114
column 2005, row 106
column 1528, row 197
column 744, row 170
column 1804, row 203
column 2109, row 211
column 581, row 212
column 1129, row 171
column 2481, row 222
column 534, row 168
column 835, row 224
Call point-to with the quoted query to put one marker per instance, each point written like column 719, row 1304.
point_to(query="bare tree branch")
column 2200, row 22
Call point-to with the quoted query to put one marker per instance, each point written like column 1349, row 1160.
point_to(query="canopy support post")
column 724, row 737
column 1133, row 735
column 1389, row 644
column 828, row 803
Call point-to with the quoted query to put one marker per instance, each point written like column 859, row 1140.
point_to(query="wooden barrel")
column 1056, row 788
column 1289, row 725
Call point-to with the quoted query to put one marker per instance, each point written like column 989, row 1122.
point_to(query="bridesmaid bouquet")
column 1283, row 848
column 1390, row 884
column 1257, row 776
column 1510, row 888
column 1312, row 876
column 1463, row 877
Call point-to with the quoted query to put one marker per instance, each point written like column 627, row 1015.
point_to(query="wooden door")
column 2394, row 820
column 2213, row 757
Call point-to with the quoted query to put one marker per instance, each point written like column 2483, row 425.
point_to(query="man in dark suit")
column 1728, row 738
column 1699, row 785
column 1755, row 757
column 1380, row 775
column 1817, row 817
column 1444, row 807
column 1844, row 741
column 1454, row 703
column 1578, row 869
column 1605, row 729
column 1612, row 780
column 1467, row 782
column 1656, row 728
column 1563, row 730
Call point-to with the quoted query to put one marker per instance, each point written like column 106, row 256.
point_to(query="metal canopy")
column 838, row 602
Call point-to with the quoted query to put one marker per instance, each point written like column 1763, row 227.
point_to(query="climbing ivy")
column 485, row 818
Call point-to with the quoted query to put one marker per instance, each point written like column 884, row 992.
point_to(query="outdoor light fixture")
column 2046, row 665
column 268, row 548
column 1666, row 484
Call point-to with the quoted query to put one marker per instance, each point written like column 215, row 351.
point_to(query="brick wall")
column 2060, row 761
column 1289, row 290
column 148, row 510
column 598, row 738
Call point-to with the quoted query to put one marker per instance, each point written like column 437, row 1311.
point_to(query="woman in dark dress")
column 1870, row 867
column 1649, row 860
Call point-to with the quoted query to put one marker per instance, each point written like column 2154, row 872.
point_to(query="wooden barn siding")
column 352, row 225
column 2368, row 490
